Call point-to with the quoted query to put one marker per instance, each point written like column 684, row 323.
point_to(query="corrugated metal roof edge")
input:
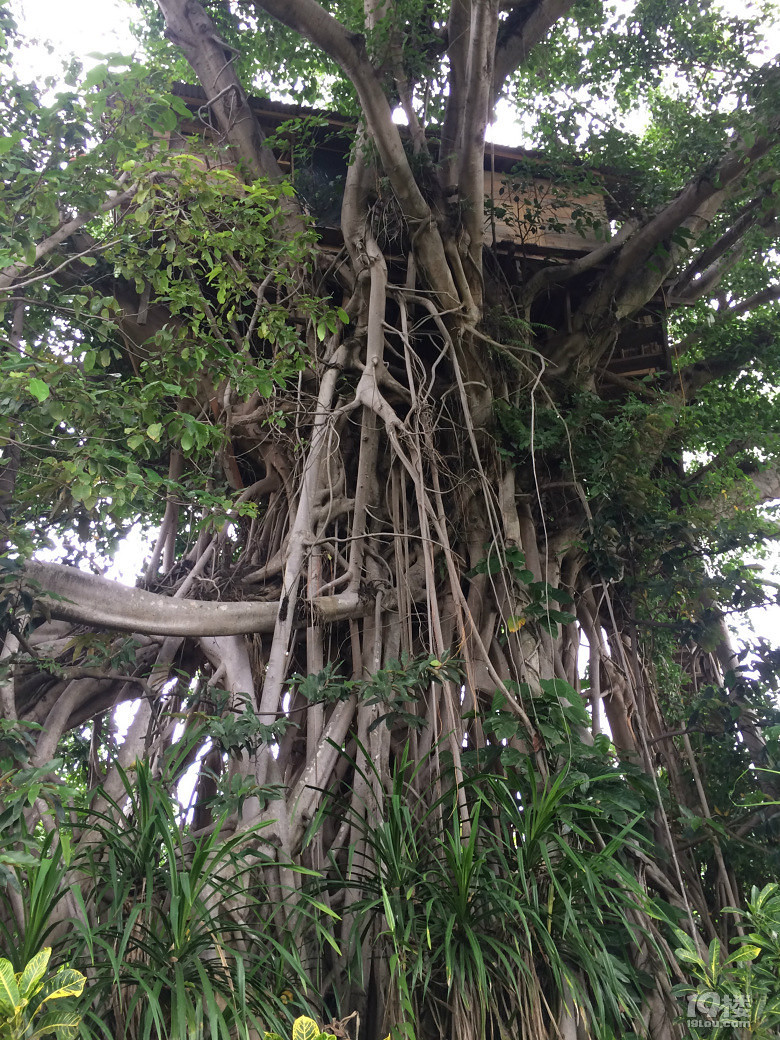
column 189, row 92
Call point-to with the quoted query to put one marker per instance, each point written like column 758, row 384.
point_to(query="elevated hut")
column 536, row 215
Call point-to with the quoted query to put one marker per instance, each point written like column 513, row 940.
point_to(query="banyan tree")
column 422, row 714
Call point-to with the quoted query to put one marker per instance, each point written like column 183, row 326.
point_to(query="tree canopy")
column 456, row 461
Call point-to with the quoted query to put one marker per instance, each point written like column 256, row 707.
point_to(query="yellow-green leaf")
column 66, row 983
column 33, row 973
column 744, row 953
column 38, row 389
column 63, row 1024
column 9, row 991
column 305, row 1029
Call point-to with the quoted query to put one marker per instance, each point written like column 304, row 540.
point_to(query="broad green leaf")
column 713, row 958
column 7, row 143
column 744, row 953
column 38, row 389
column 154, row 431
column 33, row 973
column 66, row 983
column 63, row 1024
column 688, row 957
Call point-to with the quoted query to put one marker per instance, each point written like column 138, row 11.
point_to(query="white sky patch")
column 78, row 27
column 131, row 554
column 123, row 719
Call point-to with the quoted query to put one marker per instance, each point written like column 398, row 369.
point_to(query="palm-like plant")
column 176, row 933
column 502, row 920
column 175, row 929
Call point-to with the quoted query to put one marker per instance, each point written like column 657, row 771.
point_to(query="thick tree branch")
column 645, row 260
column 765, row 479
column 348, row 50
column 458, row 32
column 765, row 482
column 190, row 28
column 751, row 303
column 730, row 361
column 526, row 26
column 693, row 209
column 471, row 182
column 67, row 594
column 558, row 273
column 708, row 256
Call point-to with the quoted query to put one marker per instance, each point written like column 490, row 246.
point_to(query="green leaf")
column 744, row 953
column 38, row 389
column 33, row 973
column 154, row 432
column 66, row 983
column 688, row 957
column 7, row 143
column 96, row 76
column 9, row 991
column 713, row 958
column 62, row 1023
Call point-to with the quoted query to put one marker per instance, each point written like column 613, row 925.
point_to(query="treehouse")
column 536, row 214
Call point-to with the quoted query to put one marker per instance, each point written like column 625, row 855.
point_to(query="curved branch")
column 563, row 272
column 67, row 594
column 526, row 26
column 348, row 50
column 726, row 362
column 693, row 208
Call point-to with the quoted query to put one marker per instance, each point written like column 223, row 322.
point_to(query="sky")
column 85, row 27
column 73, row 27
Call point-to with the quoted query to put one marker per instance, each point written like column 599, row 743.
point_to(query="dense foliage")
column 423, row 717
